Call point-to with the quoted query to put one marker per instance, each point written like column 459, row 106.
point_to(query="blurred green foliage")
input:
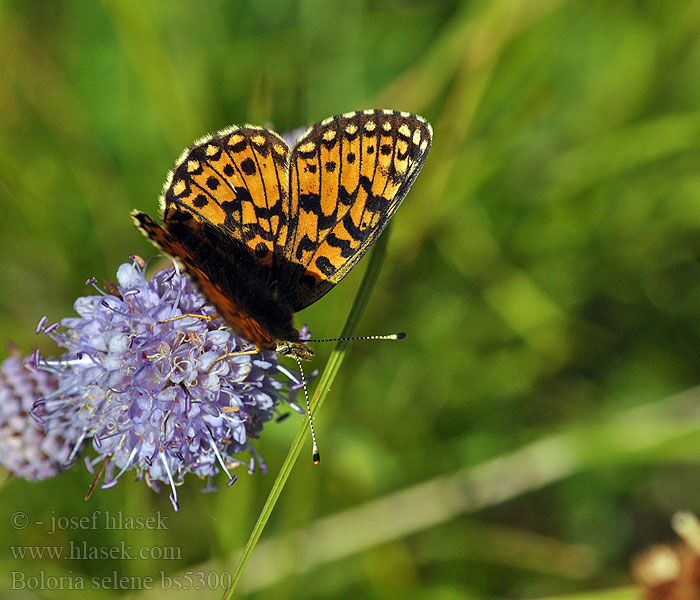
column 545, row 266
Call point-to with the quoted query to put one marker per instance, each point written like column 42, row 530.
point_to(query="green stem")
column 322, row 388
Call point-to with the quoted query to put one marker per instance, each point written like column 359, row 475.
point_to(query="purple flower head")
column 157, row 390
column 292, row 137
column 26, row 448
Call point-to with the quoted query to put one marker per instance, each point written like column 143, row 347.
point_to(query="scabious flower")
column 159, row 385
column 26, row 449
column 292, row 137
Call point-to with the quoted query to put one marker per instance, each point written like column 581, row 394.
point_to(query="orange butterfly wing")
column 349, row 174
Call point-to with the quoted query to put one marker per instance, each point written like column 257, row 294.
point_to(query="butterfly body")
column 265, row 230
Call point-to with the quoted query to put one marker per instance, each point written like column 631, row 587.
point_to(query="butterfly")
column 264, row 230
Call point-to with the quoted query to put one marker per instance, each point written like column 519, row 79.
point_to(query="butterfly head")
column 298, row 349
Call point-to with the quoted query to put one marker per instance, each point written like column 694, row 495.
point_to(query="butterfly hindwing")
column 231, row 278
column 349, row 174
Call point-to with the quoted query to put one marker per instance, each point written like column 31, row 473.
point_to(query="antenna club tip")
column 401, row 335
column 317, row 458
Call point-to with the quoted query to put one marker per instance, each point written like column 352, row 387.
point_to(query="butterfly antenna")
column 316, row 454
column 392, row 336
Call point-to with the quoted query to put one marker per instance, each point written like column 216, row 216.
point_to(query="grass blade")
column 322, row 388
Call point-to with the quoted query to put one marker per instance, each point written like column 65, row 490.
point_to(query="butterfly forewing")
column 349, row 174
column 237, row 180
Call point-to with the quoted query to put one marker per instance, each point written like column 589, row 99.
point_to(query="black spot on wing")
column 261, row 250
column 346, row 249
column 306, row 244
column 310, row 203
column 239, row 146
column 309, row 154
column 274, row 210
column 248, row 166
column 356, row 233
column 345, row 198
column 233, row 208
column 376, row 204
column 330, row 143
column 325, row 266
column 366, row 184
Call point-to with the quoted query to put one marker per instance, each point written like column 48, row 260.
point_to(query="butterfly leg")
column 228, row 354
column 204, row 317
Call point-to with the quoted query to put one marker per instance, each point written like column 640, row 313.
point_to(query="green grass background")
column 539, row 426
